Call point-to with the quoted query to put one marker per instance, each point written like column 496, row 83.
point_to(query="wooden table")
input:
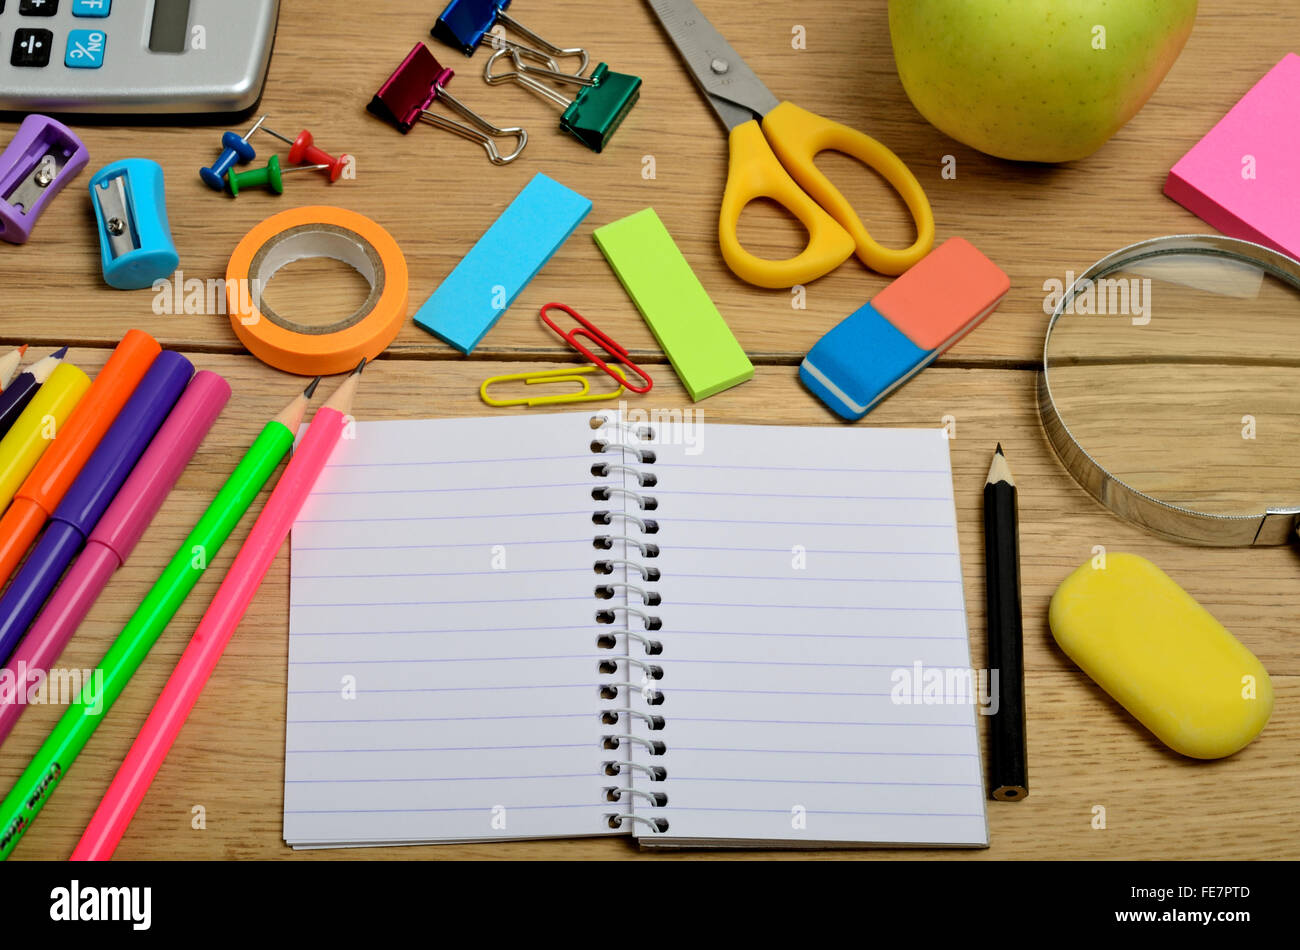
column 437, row 194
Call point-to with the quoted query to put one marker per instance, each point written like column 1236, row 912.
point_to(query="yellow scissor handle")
column 798, row 136
column 754, row 173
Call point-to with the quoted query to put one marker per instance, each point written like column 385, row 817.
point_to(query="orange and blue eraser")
column 889, row 340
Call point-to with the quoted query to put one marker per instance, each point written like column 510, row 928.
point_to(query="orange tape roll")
column 298, row 234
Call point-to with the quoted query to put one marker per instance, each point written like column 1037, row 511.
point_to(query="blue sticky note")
column 860, row 362
column 497, row 269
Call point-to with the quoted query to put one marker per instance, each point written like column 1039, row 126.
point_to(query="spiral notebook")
column 699, row 635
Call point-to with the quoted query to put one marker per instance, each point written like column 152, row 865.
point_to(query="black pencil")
column 1008, row 766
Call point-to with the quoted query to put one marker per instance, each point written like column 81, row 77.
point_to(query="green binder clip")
column 605, row 99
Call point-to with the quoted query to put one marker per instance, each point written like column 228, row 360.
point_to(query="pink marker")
column 114, row 537
column 223, row 615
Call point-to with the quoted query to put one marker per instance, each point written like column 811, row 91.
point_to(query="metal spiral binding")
column 623, row 461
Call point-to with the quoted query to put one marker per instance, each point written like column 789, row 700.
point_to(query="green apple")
column 1035, row 80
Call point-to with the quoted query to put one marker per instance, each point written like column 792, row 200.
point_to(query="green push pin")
column 272, row 176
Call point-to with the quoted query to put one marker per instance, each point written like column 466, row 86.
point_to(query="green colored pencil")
column 50, row 765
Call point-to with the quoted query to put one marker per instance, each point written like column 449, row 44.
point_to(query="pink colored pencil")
column 223, row 615
column 115, row 536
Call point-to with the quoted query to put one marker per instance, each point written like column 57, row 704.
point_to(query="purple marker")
column 43, row 157
column 91, row 494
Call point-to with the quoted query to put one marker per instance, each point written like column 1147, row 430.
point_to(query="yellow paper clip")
column 566, row 374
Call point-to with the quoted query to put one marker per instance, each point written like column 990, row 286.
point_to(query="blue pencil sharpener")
column 135, row 240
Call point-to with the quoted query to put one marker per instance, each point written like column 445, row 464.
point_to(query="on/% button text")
column 86, row 49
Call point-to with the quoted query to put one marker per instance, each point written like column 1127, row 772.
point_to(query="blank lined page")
column 442, row 678
column 810, row 577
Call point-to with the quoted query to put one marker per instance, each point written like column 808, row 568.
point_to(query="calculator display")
column 171, row 22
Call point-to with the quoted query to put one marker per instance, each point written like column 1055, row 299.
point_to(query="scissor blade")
column 731, row 88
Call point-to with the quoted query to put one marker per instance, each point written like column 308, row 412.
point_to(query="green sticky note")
column 702, row 348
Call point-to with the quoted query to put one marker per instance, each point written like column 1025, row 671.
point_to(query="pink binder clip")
column 409, row 93
column 43, row 157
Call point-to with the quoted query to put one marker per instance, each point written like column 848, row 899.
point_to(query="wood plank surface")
column 1084, row 749
column 436, row 194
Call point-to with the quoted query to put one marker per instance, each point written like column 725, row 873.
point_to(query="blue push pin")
column 236, row 149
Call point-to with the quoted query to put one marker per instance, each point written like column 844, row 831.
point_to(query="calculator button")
column 38, row 7
column 85, row 49
column 31, row 48
column 96, row 8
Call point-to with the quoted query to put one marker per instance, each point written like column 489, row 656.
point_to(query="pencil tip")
column 22, row 350
column 999, row 451
column 60, row 354
column 311, row 387
column 360, row 367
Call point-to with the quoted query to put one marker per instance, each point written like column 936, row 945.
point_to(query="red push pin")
column 302, row 150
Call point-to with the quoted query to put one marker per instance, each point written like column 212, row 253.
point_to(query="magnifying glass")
column 1170, row 388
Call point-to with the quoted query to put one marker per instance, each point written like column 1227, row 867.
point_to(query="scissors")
column 767, row 161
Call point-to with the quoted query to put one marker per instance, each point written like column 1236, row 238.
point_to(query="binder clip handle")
column 538, row 43
column 463, row 24
column 42, row 158
column 407, row 95
column 588, row 330
column 592, row 117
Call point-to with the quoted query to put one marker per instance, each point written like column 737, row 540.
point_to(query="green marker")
column 51, row 763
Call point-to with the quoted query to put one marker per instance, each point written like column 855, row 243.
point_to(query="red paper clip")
column 601, row 339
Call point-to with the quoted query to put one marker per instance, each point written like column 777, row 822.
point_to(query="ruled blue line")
column 538, row 458
column 510, row 514
column 603, row 806
column 452, row 748
column 438, row 491
column 595, row 627
column 819, row 811
column 914, row 755
column 800, row 636
column 813, row 781
column 799, row 468
column 450, row 778
column 767, row 606
column 666, row 662
column 453, row 689
column 415, row 547
column 444, row 603
column 529, row 716
column 386, row 576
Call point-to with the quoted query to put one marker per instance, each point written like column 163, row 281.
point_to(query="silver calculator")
column 134, row 57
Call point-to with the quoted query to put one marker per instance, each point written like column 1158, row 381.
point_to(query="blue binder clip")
column 465, row 23
column 135, row 241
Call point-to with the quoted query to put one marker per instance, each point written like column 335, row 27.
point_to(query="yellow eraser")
column 1162, row 656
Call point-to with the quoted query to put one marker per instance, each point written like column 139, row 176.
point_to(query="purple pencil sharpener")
column 43, row 157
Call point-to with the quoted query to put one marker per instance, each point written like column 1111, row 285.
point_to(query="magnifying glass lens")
column 1180, row 375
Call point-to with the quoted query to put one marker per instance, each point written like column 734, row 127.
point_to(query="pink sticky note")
column 1244, row 176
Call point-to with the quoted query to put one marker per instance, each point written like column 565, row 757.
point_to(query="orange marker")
column 53, row 475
